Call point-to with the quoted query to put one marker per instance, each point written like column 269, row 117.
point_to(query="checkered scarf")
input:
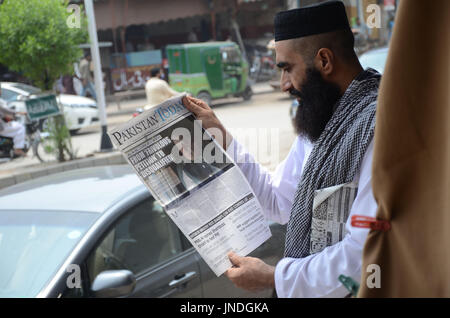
column 336, row 157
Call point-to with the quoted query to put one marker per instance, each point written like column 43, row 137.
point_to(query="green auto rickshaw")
column 208, row 70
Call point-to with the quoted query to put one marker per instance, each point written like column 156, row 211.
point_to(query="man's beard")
column 316, row 105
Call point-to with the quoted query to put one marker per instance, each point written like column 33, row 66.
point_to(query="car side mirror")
column 114, row 283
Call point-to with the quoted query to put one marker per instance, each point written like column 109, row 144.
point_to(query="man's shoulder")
column 154, row 82
column 299, row 148
column 302, row 142
column 367, row 114
column 161, row 81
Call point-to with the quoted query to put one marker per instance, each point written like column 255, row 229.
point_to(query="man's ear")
column 324, row 62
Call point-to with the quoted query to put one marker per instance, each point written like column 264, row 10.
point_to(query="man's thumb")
column 234, row 258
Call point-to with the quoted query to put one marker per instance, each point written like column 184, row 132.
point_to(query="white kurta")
column 16, row 131
column 315, row 275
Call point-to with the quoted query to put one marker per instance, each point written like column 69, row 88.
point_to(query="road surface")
column 261, row 124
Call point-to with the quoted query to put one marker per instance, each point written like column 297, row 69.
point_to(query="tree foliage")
column 36, row 40
column 58, row 143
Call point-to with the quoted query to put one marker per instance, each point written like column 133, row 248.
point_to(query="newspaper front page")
column 190, row 175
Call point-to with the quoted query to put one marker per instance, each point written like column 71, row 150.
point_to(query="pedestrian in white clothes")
column 11, row 128
column 157, row 89
column 326, row 177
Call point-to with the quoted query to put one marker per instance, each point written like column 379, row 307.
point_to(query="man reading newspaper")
column 326, row 177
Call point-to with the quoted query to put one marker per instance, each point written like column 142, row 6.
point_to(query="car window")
column 34, row 244
column 144, row 237
column 27, row 88
column 9, row 95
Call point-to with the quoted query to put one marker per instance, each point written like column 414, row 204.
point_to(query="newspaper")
column 191, row 176
column 331, row 208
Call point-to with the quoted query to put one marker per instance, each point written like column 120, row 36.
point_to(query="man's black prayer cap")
column 320, row 18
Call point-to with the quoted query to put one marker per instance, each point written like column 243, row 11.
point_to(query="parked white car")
column 79, row 111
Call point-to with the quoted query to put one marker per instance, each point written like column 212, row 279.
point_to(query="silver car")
column 97, row 232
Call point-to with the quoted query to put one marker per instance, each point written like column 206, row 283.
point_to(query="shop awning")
column 115, row 13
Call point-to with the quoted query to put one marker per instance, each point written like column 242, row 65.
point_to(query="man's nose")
column 285, row 82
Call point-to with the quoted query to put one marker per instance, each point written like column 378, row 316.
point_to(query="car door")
column 146, row 242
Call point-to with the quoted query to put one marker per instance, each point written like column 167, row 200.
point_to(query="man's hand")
column 250, row 273
column 209, row 120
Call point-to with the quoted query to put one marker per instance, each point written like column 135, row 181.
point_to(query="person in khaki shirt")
column 86, row 77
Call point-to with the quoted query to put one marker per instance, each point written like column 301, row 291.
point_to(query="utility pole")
column 235, row 27
column 360, row 6
column 105, row 144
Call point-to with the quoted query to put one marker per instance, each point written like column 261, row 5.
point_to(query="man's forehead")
column 281, row 50
column 286, row 53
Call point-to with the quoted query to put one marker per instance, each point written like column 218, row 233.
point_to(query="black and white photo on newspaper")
column 198, row 184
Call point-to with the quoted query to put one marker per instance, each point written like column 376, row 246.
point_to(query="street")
column 254, row 123
column 262, row 125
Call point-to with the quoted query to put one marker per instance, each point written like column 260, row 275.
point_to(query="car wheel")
column 74, row 131
column 205, row 96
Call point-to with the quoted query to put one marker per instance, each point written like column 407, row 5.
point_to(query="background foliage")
column 36, row 41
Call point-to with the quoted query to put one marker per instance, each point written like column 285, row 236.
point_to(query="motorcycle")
column 263, row 67
column 34, row 139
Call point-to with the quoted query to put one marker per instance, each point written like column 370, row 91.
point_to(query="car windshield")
column 33, row 245
column 375, row 60
column 27, row 88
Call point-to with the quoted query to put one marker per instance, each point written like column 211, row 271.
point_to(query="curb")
column 33, row 173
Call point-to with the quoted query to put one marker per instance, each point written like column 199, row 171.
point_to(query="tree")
column 37, row 41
